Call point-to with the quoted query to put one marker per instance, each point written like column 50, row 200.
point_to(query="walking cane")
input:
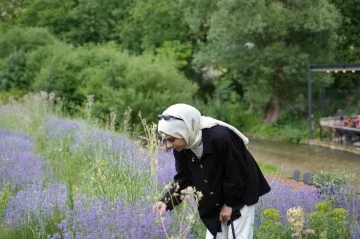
column 232, row 229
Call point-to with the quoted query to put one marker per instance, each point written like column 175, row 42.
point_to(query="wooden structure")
column 327, row 69
column 331, row 126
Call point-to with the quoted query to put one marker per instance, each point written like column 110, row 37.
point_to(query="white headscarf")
column 190, row 127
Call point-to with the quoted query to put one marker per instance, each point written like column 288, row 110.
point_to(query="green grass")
column 267, row 169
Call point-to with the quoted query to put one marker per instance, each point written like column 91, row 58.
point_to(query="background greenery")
column 240, row 61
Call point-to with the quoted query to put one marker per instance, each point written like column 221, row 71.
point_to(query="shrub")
column 15, row 46
column 331, row 184
column 270, row 227
column 328, row 222
column 25, row 39
column 117, row 80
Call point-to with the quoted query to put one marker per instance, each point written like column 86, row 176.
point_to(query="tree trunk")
column 272, row 111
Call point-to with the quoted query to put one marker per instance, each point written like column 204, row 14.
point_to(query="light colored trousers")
column 244, row 226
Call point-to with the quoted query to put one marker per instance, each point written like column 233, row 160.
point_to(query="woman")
column 211, row 156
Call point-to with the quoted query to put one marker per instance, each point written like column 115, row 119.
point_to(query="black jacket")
column 225, row 174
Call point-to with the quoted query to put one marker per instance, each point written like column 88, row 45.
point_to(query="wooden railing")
column 337, row 133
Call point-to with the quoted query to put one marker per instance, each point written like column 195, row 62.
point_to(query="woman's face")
column 177, row 144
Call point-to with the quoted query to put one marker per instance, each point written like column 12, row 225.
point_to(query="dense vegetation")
column 240, row 61
column 65, row 178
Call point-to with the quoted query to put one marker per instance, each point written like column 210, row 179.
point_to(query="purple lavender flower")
column 56, row 127
column 355, row 229
column 35, row 204
column 284, row 195
column 18, row 164
column 103, row 219
column 13, row 142
column 166, row 169
column 348, row 199
column 90, row 140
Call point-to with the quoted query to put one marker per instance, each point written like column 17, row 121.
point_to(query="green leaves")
column 263, row 46
column 270, row 44
column 329, row 223
column 117, row 80
column 152, row 23
column 16, row 47
column 145, row 83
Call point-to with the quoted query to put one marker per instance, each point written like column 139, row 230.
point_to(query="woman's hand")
column 225, row 213
column 160, row 207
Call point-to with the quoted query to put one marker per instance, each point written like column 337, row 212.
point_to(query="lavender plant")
column 331, row 183
column 18, row 164
column 285, row 195
column 37, row 206
column 106, row 164
column 89, row 218
column 102, row 218
column 336, row 189
column 347, row 199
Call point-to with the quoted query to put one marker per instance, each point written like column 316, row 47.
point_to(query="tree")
column 165, row 28
column 349, row 46
column 9, row 9
column 345, row 92
column 98, row 21
column 17, row 68
column 53, row 15
column 153, row 22
column 268, row 44
column 144, row 83
column 76, row 22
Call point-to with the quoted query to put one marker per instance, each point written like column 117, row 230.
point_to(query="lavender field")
column 67, row 178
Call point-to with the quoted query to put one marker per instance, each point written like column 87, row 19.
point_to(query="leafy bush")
column 76, row 22
column 60, row 75
column 330, row 183
column 16, row 72
column 13, row 75
column 25, row 39
column 328, row 222
column 117, row 80
column 226, row 105
column 5, row 96
column 292, row 132
column 270, row 227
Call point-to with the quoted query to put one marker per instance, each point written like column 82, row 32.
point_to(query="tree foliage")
column 153, row 22
column 344, row 94
column 259, row 49
column 32, row 59
column 269, row 44
column 76, row 22
column 349, row 46
column 16, row 46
